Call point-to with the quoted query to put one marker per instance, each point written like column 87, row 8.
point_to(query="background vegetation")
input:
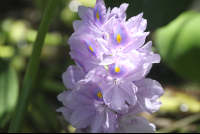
column 174, row 29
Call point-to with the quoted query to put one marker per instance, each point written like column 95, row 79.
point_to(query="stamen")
column 117, row 70
column 119, row 38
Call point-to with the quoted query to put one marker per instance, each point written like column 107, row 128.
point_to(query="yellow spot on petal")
column 119, row 38
column 99, row 95
column 117, row 70
column 97, row 15
column 91, row 48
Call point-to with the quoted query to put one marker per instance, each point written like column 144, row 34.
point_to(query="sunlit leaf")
column 9, row 89
column 179, row 45
column 176, row 102
column 6, row 51
column 18, row 30
column 50, row 39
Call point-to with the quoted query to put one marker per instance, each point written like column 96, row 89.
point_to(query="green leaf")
column 44, row 115
column 9, row 90
column 179, row 45
column 32, row 68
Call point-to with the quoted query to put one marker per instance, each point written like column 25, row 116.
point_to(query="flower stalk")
column 31, row 72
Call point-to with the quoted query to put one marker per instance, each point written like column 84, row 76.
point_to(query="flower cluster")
column 107, row 87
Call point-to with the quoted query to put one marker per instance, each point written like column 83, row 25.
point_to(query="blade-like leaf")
column 9, row 90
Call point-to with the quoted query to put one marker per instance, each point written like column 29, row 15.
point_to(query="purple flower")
column 72, row 76
column 99, row 13
column 119, row 12
column 121, row 40
column 94, row 21
column 147, row 94
column 108, row 87
column 130, row 123
column 117, row 83
column 110, row 29
column 85, row 108
column 85, row 51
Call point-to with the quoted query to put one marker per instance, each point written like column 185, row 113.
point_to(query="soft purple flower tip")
column 108, row 87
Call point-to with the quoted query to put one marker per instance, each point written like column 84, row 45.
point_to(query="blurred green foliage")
column 172, row 102
column 9, row 89
column 179, row 45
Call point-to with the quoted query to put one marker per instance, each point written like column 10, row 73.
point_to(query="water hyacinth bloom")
column 108, row 87
column 85, row 108
column 85, row 52
column 117, row 82
column 148, row 92
column 129, row 123
column 109, row 27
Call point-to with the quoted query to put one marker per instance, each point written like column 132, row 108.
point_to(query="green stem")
column 31, row 72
